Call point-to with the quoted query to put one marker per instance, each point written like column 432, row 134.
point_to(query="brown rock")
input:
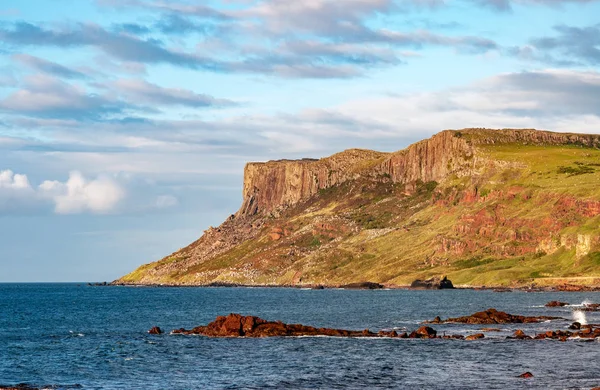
column 155, row 330
column 432, row 284
column 526, row 375
column 493, row 316
column 519, row 334
column 556, row 304
column 475, row 336
column 424, row 332
column 236, row 325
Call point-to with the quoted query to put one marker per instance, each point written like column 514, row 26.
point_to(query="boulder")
column 424, row 332
column 575, row 326
column 155, row 330
column 519, row 334
column 432, row 284
column 556, row 304
column 526, row 375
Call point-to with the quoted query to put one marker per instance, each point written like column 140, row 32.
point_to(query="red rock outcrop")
column 493, row 316
column 236, row 325
column 155, row 330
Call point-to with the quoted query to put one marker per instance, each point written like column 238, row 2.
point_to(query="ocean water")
column 96, row 337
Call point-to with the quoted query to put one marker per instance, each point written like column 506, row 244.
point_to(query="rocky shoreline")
column 499, row 289
column 435, row 283
column 237, row 325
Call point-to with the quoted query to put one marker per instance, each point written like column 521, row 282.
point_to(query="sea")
column 65, row 336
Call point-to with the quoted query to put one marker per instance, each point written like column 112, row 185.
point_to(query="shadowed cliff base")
column 495, row 208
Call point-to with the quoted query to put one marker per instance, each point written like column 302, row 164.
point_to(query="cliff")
column 486, row 206
column 286, row 182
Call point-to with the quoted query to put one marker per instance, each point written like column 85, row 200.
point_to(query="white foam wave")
column 580, row 317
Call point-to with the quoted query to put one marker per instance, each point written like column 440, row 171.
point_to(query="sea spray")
column 579, row 316
column 586, row 303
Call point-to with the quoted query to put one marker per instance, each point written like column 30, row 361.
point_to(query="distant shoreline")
column 569, row 288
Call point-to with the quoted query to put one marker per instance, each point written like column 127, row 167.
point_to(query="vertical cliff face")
column 279, row 183
column 431, row 160
column 285, row 182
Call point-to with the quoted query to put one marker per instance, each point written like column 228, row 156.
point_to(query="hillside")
column 485, row 207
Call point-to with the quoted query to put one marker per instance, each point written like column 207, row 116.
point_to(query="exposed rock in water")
column 475, row 336
column 556, row 304
column 526, row 375
column 587, row 332
column 236, row 325
column 155, row 330
column 493, row 316
column 432, row 284
column 424, row 332
column 363, row 286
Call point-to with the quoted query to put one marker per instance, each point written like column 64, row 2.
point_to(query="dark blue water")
column 65, row 334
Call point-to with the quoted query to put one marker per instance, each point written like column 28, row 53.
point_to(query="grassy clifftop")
column 512, row 212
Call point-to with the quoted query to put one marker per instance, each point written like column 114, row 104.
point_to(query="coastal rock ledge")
column 493, row 316
column 237, row 325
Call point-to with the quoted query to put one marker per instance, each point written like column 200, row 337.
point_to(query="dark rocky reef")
column 493, row 316
column 432, row 284
column 363, row 286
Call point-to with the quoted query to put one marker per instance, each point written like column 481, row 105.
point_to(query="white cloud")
column 15, row 192
column 12, row 181
column 115, row 194
column 78, row 194
column 166, row 201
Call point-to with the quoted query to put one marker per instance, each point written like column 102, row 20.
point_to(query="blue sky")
column 125, row 124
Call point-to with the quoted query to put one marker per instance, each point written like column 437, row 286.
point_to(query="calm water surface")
column 65, row 334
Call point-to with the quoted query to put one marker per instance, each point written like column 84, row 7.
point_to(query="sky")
column 125, row 124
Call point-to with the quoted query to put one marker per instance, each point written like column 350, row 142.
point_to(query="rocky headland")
column 497, row 208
